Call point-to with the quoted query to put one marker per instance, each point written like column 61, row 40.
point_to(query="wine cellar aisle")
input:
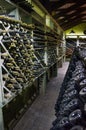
column 31, row 51
column 41, row 114
column 37, row 38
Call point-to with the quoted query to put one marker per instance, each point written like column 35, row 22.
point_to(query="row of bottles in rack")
column 70, row 107
column 24, row 49
column 45, row 43
column 18, row 61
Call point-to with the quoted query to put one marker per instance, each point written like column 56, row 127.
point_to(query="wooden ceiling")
column 67, row 13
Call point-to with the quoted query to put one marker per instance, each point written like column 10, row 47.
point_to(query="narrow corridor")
column 41, row 113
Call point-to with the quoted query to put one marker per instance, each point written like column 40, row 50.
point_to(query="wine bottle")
column 19, row 79
column 6, row 37
column 79, row 77
column 82, row 83
column 5, row 76
column 7, row 95
column 9, row 65
column 15, row 73
column 12, row 46
column 82, row 94
column 63, row 124
column 6, row 24
column 75, row 117
column 16, row 86
column 77, row 127
column 11, row 26
column 4, row 55
column 12, row 80
column 6, row 42
column 9, row 85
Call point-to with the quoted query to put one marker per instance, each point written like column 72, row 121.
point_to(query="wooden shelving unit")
column 30, row 50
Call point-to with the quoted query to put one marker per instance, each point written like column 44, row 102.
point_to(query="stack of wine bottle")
column 25, row 49
column 39, row 45
column 52, row 57
column 45, row 42
column 70, row 108
column 52, row 40
column 19, row 64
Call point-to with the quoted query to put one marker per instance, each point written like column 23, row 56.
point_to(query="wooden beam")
column 64, row 11
column 77, row 13
column 78, row 16
column 56, row 4
column 68, row 25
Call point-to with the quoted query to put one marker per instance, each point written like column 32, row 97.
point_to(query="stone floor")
column 41, row 113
